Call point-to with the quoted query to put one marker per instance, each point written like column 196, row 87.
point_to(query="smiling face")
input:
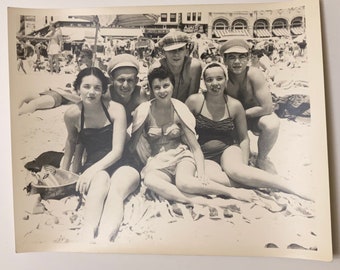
column 176, row 57
column 91, row 89
column 215, row 80
column 124, row 81
column 236, row 62
column 162, row 89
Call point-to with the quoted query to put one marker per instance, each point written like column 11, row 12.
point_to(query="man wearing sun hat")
column 186, row 70
column 248, row 85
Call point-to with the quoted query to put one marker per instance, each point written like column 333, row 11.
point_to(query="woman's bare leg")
column 124, row 181
column 248, row 176
column 94, row 204
column 188, row 183
column 39, row 103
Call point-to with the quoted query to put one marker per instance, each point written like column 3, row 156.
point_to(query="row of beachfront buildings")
column 213, row 24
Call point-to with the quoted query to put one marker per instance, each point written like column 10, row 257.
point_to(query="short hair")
column 91, row 71
column 160, row 73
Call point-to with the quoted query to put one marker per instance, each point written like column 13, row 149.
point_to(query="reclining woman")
column 100, row 126
column 55, row 96
column 163, row 135
column 222, row 129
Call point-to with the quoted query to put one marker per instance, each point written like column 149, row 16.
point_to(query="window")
column 261, row 24
column 199, row 16
column 297, row 22
column 173, row 17
column 279, row 23
column 220, row 25
column 194, row 16
column 189, row 16
column 164, row 17
column 239, row 24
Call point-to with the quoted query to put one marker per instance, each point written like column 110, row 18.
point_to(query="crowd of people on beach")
column 174, row 116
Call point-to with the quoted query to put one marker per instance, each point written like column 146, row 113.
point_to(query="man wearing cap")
column 186, row 70
column 123, row 71
column 248, row 85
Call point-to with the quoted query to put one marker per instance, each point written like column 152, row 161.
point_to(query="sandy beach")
column 282, row 222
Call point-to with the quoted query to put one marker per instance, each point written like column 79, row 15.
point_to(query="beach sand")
column 151, row 226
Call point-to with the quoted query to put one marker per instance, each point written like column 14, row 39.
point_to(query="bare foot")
column 26, row 108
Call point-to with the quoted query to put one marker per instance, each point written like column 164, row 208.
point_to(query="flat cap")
column 173, row 40
column 235, row 46
column 122, row 60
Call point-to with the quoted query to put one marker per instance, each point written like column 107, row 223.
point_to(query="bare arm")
column 241, row 127
column 77, row 158
column 70, row 119
column 261, row 93
column 71, row 96
column 194, row 102
column 195, row 72
column 196, row 150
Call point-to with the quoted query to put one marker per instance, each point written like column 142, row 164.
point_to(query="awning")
column 120, row 32
column 279, row 32
column 297, row 30
column 262, row 33
column 77, row 33
column 130, row 20
column 222, row 33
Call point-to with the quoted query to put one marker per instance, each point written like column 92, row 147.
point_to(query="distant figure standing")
column 54, row 47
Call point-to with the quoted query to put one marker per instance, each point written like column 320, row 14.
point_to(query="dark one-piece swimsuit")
column 97, row 142
column 215, row 136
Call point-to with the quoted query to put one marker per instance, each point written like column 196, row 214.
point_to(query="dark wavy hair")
column 160, row 73
column 91, row 71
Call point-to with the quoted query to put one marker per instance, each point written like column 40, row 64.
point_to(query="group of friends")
column 185, row 143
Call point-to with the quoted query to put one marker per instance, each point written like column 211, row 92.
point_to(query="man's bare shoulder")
column 196, row 64
column 255, row 73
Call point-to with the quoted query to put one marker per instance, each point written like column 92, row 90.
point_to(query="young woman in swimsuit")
column 163, row 135
column 100, row 126
column 222, row 129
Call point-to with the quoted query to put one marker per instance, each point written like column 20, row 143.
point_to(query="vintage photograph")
column 192, row 130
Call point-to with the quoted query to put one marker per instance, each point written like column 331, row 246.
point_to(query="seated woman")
column 222, row 129
column 100, row 126
column 163, row 135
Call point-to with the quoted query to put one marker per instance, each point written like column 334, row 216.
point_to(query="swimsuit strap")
column 226, row 103
column 202, row 103
column 106, row 111
column 82, row 118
